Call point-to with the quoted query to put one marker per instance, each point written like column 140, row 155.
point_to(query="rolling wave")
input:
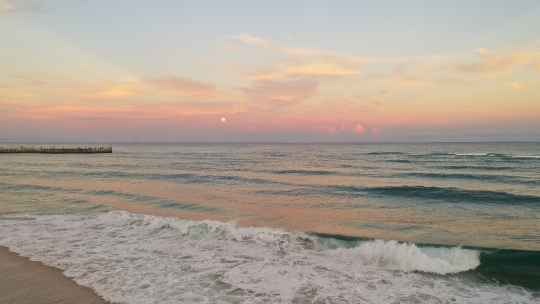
column 379, row 253
column 385, row 254
column 443, row 194
column 496, row 155
column 304, row 172
column 409, row 257
column 386, row 153
column 475, row 167
column 127, row 257
column 471, row 176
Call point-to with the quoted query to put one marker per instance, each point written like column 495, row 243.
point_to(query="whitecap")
column 134, row 258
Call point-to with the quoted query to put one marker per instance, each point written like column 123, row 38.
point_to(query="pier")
column 54, row 150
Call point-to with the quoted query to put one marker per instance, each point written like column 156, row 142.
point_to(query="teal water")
column 460, row 216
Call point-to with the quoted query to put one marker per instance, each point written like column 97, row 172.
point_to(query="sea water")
column 283, row 223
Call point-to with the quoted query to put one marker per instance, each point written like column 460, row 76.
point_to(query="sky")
column 269, row 71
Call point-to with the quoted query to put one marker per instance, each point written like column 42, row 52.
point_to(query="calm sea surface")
column 283, row 223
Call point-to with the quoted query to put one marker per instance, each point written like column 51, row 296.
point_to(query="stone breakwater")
column 54, row 150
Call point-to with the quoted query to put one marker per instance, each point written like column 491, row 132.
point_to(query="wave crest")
column 409, row 257
column 386, row 254
column 211, row 228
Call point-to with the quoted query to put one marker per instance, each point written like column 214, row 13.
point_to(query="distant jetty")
column 54, row 150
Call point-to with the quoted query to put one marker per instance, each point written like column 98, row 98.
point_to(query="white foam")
column 526, row 156
column 131, row 258
column 495, row 154
column 215, row 229
column 409, row 257
column 472, row 154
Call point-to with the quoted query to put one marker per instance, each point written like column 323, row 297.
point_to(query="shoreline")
column 25, row 281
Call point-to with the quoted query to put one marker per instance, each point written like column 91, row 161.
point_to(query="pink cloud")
column 326, row 129
column 357, row 129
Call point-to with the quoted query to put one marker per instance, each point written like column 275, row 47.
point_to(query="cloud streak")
column 497, row 63
column 289, row 63
column 515, row 86
column 110, row 88
column 280, row 93
column 284, row 63
column 37, row 110
column 183, row 86
column 9, row 7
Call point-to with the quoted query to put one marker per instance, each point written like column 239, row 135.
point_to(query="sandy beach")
column 25, row 281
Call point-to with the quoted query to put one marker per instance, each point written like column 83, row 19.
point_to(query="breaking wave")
column 135, row 258
column 409, row 257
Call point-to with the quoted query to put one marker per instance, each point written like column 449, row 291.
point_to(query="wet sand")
column 24, row 281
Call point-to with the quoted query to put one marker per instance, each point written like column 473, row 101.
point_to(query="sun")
column 223, row 119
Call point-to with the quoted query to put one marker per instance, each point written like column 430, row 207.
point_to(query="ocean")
column 283, row 223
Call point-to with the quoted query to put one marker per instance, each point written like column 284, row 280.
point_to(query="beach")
column 24, row 281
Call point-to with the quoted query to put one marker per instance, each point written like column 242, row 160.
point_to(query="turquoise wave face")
column 515, row 267
column 498, row 266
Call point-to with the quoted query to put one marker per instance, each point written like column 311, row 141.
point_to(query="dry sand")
column 24, row 281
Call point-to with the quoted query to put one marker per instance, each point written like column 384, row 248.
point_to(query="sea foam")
column 133, row 258
column 409, row 257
